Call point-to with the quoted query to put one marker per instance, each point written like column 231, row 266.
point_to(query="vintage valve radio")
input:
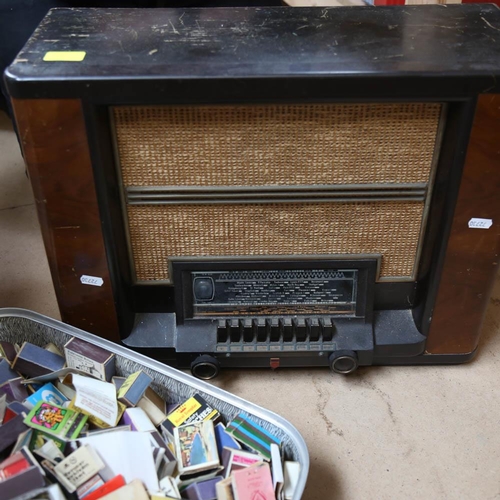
column 270, row 186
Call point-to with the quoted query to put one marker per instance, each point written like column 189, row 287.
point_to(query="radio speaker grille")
column 276, row 145
column 158, row 232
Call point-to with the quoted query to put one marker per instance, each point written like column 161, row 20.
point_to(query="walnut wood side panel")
column 54, row 143
column 472, row 255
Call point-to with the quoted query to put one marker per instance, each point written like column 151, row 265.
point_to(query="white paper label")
column 96, row 397
column 476, row 223
column 91, row 280
column 84, row 364
column 80, row 466
column 126, row 453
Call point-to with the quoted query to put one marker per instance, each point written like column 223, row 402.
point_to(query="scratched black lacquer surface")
column 453, row 50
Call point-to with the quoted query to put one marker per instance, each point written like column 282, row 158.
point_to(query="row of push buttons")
column 264, row 330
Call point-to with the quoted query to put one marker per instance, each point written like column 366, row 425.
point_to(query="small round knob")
column 205, row 367
column 343, row 362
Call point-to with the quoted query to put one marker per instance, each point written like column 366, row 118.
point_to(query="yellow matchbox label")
column 64, row 56
column 211, row 415
column 184, row 411
column 128, row 382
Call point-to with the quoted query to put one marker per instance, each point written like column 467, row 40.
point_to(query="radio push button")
column 255, row 328
column 299, row 327
column 247, row 327
column 287, row 330
column 234, row 330
column 308, row 328
column 326, row 329
column 275, row 330
column 314, row 330
column 262, row 329
column 222, row 335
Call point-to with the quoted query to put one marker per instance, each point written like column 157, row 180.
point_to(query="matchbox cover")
column 134, row 387
column 90, row 359
column 196, row 447
column 195, row 409
column 60, row 422
column 33, row 361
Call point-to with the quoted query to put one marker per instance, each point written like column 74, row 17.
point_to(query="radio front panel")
column 276, row 145
column 161, row 232
column 301, row 179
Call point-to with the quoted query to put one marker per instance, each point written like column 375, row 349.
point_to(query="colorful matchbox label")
column 251, row 434
column 49, row 394
column 195, row 409
column 54, row 420
column 238, row 459
column 253, row 482
column 196, row 447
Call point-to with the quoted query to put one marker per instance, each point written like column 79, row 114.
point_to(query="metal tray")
column 19, row 325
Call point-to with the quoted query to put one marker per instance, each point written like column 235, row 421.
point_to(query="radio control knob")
column 205, row 367
column 203, row 288
column 343, row 362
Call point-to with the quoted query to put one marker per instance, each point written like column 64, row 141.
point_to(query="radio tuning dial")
column 203, row 288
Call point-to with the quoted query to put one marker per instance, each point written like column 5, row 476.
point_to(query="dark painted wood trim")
column 55, row 147
column 471, row 260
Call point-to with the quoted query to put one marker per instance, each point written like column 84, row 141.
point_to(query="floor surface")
column 384, row 433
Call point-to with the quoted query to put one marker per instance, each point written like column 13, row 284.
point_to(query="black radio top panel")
column 176, row 51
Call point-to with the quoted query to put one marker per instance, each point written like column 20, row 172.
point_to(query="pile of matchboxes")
column 83, row 418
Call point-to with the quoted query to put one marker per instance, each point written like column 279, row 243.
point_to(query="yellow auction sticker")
column 64, row 56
